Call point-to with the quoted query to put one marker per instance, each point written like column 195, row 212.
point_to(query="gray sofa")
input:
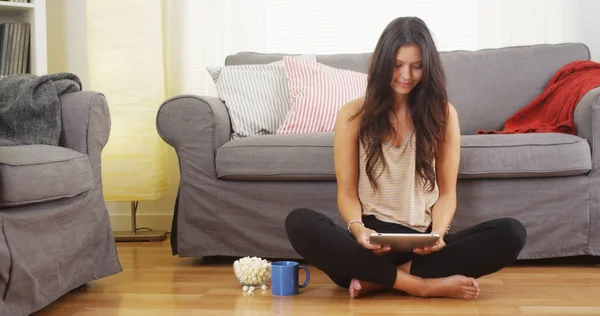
column 235, row 194
column 56, row 235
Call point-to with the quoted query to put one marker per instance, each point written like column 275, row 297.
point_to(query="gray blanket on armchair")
column 30, row 107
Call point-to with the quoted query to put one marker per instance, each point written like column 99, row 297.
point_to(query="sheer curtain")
column 343, row 26
column 203, row 33
column 525, row 22
column 338, row 26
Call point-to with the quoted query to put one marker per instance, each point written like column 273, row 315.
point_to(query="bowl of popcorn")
column 252, row 273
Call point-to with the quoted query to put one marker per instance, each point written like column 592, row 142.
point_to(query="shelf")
column 6, row 6
column 33, row 13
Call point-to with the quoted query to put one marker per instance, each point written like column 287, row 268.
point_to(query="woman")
column 396, row 154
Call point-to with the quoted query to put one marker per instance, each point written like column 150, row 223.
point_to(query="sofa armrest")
column 195, row 126
column 587, row 121
column 584, row 117
column 85, row 122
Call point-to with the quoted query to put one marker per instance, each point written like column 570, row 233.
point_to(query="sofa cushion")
column 39, row 173
column 310, row 156
column 524, row 155
column 277, row 157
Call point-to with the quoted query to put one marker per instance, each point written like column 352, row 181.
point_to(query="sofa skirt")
column 246, row 218
column 49, row 249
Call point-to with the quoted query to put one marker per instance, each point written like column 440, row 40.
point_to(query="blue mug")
column 284, row 278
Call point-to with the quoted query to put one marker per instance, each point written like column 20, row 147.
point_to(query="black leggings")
column 474, row 252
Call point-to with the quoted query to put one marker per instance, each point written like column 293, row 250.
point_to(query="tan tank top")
column 400, row 197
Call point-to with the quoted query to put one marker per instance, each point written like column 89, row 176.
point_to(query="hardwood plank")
column 560, row 310
column 156, row 283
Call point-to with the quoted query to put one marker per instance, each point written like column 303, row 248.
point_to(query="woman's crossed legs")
column 450, row 272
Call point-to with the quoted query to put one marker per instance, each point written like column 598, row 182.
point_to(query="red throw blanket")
column 552, row 110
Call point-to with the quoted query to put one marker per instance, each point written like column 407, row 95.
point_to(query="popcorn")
column 252, row 273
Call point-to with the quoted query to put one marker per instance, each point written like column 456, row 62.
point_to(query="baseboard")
column 122, row 222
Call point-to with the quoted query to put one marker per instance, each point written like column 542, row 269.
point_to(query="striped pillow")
column 318, row 92
column 256, row 96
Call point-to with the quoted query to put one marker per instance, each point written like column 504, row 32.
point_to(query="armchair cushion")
column 40, row 173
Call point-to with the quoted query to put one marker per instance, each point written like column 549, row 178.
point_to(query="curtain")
column 125, row 63
column 526, row 22
column 203, row 33
column 199, row 34
column 342, row 26
column 590, row 25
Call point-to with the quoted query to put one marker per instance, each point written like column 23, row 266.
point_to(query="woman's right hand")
column 363, row 237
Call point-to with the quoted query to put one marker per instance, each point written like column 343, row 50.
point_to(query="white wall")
column 589, row 10
column 66, row 27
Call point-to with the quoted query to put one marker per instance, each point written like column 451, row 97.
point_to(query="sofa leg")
column 598, row 261
column 82, row 288
column 218, row 259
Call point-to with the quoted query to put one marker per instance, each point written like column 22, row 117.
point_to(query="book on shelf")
column 14, row 48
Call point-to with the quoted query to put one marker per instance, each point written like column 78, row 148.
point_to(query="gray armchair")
column 55, row 233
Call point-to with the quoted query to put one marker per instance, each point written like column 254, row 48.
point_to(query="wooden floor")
column 156, row 283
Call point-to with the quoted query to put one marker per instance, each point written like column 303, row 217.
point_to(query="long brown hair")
column 427, row 103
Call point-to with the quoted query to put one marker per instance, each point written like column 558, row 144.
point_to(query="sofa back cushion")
column 485, row 86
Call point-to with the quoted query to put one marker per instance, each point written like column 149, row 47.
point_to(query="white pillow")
column 256, row 96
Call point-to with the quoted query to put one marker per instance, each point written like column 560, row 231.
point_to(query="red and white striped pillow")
column 317, row 92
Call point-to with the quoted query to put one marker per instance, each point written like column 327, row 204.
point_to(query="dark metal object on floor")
column 141, row 233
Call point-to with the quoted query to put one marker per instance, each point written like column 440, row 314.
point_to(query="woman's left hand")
column 431, row 249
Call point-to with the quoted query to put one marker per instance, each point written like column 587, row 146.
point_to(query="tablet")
column 405, row 242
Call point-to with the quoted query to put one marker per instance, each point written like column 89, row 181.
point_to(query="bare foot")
column 456, row 286
column 361, row 287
